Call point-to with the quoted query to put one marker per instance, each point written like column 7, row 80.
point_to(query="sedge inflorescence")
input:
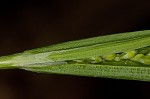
column 139, row 56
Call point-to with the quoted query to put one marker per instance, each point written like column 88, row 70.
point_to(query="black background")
column 31, row 24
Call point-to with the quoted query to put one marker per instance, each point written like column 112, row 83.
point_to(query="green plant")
column 119, row 56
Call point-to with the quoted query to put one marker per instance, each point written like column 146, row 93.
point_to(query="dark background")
column 31, row 24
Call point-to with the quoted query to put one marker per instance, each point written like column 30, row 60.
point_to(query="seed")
column 128, row 55
column 96, row 59
column 109, row 57
column 145, row 60
column 117, row 58
column 137, row 57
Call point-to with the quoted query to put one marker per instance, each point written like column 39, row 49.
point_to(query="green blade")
column 106, row 71
column 92, row 41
